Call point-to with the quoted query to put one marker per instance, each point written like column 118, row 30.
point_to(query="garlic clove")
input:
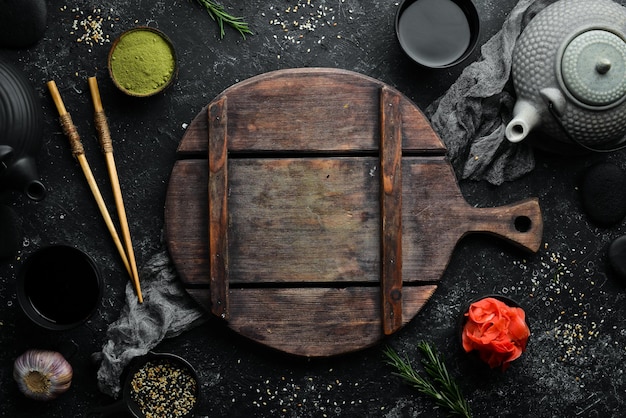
column 42, row 375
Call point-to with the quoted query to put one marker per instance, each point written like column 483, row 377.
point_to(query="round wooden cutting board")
column 314, row 210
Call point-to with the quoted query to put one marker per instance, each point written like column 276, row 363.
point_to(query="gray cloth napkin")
column 472, row 115
column 167, row 310
column 470, row 118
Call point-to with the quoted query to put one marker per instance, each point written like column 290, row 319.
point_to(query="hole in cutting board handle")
column 523, row 223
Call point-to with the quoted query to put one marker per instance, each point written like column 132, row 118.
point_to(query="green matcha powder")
column 142, row 62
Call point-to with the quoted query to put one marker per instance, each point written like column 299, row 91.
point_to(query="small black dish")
column 437, row 33
column 137, row 367
column 59, row 287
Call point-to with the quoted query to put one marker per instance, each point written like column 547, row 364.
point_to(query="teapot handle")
column 621, row 144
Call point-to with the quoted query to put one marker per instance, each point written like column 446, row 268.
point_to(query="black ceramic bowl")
column 437, row 33
column 148, row 372
column 59, row 287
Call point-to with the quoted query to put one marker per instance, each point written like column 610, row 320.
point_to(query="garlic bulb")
column 42, row 375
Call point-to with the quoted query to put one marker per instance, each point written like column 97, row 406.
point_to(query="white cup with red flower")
column 495, row 328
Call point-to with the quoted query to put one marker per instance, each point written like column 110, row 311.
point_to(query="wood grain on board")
column 314, row 210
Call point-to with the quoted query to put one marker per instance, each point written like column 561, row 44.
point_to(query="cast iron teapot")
column 21, row 131
column 569, row 74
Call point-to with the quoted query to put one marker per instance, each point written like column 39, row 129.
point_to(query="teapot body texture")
column 21, row 132
column 569, row 74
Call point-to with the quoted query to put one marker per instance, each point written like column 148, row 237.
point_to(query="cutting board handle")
column 520, row 223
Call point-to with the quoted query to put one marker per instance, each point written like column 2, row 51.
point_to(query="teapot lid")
column 593, row 67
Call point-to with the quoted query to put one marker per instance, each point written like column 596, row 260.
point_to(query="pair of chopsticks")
column 127, row 254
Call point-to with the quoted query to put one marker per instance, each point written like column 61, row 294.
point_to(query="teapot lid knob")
column 593, row 68
column 603, row 65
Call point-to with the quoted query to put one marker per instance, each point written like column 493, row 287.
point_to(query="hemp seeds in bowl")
column 142, row 62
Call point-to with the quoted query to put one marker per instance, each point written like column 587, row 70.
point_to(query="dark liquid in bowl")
column 62, row 287
column 434, row 32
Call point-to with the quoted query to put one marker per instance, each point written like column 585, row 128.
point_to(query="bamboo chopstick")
column 79, row 153
column 104, row 135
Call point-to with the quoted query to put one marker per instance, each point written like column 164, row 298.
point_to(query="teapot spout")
column 525, row 118
column 21, row 175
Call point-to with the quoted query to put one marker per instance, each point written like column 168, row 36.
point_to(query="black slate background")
column 574, row 365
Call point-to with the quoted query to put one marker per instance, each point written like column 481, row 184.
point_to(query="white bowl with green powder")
column 142, row 62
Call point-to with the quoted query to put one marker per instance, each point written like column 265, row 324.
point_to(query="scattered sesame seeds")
column 283, row 396
column 299, row 21
column 89, row 27
column 553, row 283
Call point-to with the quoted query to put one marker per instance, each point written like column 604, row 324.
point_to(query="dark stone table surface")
column 574, row 365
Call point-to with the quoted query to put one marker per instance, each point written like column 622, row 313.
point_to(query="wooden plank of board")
column 316, row 322
column 218, row 207
column 187, row 221
column 281, row 233
column 391, row 210
column 304, row 220
column 310, row 110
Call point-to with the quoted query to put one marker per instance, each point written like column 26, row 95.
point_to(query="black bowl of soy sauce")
column 437, row 33
column 59, row 287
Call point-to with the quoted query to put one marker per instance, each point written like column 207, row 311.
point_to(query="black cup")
column 437, row 33
column 59, row 287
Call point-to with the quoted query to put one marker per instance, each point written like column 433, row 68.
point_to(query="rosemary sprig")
column 442, row 388
column 221, row 16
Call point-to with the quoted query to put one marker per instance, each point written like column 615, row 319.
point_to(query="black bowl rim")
column 138, row 362
column 471, row 12
column 23, row 299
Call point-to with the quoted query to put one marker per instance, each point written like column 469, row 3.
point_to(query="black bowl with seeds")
column 161, row 385
column 157, row 385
